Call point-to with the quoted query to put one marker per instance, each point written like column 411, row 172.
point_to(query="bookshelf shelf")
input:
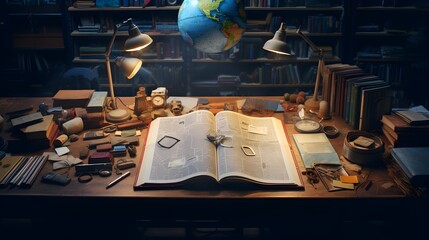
column 297, row 9
column 109, row 33
column 251, row 63
column 121, row 9
column 33, row 39
column 101, row 61
column 393, row 32
column 193, row 65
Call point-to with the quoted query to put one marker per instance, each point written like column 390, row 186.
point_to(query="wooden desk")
column 245, row 207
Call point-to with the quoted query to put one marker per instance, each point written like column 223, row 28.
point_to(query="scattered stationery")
column 62, row 150
column 120, row 178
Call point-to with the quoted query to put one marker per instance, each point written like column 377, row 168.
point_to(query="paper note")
column 340, row 184
column 62, row 150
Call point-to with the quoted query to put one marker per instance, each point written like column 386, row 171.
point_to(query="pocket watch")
column 158, row 101
column 159, row 97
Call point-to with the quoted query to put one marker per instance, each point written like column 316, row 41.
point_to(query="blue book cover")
column 315, row 148
column 414, row 162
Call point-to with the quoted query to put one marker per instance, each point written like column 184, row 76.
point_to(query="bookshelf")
column 33, row 36
column 389, row 41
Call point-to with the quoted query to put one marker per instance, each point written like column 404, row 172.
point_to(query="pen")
column 120, row 178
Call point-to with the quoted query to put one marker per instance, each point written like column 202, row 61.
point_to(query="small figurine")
column 176, row 107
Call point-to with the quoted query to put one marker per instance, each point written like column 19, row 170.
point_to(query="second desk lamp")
column 129, row 66
column 278, row 45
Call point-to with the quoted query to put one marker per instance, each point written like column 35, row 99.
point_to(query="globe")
column 212, row 26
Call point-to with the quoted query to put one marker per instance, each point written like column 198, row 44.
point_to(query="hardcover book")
column 41, row 129
column 315, row 148
column 72, row 98
column 396, row 123
column 26, row 120
column 413, row 118
column 97, row 102
column 375, row 102
column 229, row 148
column 413, row 161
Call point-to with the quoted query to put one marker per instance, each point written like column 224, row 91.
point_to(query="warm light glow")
column 129, row 66
column 138, row 48
column 135, row 70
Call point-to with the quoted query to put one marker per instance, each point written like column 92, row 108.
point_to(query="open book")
column 253, row 150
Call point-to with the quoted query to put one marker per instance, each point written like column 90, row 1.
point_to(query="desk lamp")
column 278, row 45
column 129, row 66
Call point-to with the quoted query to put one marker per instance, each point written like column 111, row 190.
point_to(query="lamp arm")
column 321, row 62
column 109, row 70
column 308, row 41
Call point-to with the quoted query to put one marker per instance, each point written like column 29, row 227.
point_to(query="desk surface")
column 94, row 196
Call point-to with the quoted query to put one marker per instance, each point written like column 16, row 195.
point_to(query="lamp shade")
column 277, row 44
column 136, row 40
column 129, row 66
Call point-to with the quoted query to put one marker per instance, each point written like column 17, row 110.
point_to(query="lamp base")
column 118, row 115
column 312, row 104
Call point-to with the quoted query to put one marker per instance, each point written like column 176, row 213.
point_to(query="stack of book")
column 399, row 133
column 32, row 137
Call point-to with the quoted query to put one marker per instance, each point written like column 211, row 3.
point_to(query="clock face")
column 158, row 101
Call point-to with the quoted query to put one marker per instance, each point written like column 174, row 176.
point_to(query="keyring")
column 84, row 177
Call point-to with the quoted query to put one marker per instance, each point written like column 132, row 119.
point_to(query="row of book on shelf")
column 125, row 3
column 162, row 3
column 147, row 23
column 168, row 48
column 32, row 2
column 292, row 3
column 33, row 62
column 251, row 49
column 286, row 74
column 390, row 3
column 393, row 73
column 167, row 24
column 271, row 74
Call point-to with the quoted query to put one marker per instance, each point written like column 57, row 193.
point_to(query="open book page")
column 177, row 149
column 272, row 163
